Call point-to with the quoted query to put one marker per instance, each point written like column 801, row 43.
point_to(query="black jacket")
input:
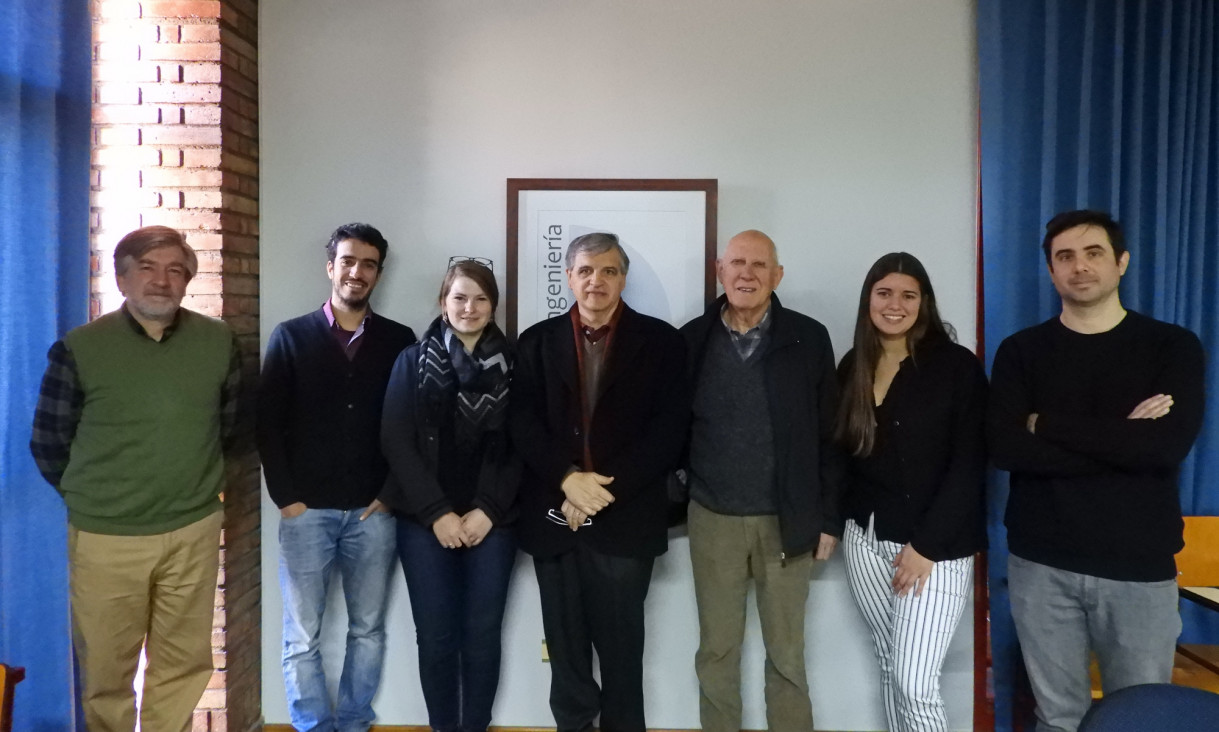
column 637, row 432
column 933, row 461
column 319, row 414
column 410, row 440
column 802, row 395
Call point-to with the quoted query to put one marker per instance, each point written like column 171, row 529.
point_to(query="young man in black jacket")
column 319, row 422
column 765, row 478
column 1093, row 412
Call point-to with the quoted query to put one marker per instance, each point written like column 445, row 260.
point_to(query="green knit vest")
column 146, row 456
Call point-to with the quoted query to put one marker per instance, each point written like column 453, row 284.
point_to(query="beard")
column 162, row 308
column 352, row 301
column 355, row 303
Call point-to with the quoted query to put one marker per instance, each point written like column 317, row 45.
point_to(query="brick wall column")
column 175, row 125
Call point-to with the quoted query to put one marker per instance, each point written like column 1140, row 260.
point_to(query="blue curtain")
column 1111, row 105
column 44, row 290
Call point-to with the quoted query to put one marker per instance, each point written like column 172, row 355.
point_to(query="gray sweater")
column 732, row 455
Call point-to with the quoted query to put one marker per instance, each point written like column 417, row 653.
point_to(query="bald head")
column 752, row 239
column 750, row 272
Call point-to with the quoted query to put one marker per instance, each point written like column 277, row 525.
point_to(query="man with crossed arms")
column 1092, row 412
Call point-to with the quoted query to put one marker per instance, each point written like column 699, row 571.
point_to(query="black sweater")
column 319, row 414
column 1092, row 491
column 925, row 478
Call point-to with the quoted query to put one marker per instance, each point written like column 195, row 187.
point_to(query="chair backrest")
column 9, row 676
column 1198, row 562
column 1153, row 707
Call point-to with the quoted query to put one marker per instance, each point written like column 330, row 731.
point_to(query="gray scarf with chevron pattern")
column 476, row 381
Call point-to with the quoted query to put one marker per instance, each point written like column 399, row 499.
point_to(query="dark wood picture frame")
column 709, row 186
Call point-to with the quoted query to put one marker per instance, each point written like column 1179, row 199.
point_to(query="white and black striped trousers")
column 911, row 634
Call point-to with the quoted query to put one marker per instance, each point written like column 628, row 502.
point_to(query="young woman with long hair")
column 911, row 418
column 453, row 482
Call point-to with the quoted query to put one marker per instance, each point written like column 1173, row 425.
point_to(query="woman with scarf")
column 453, row 482
column 911, row 417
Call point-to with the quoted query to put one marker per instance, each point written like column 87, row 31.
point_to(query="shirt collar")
column 578, row 322
column 329, row 312
column 761, row 328
column 140, row 330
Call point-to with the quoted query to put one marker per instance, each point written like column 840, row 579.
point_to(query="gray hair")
column 141, row 241
column 598, row 242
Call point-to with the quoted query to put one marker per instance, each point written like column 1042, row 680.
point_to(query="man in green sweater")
column 132, row 415
column 1093, row 412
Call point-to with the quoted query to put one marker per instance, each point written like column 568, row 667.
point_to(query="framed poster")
column 667, row 228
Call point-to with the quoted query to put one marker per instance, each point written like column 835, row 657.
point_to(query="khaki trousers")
column 155, row 592
column 725, row 552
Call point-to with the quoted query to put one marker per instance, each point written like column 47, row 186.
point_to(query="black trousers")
column 593, row 600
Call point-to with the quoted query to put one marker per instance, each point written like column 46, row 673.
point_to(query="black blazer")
column 936, row 430
column 637, row 432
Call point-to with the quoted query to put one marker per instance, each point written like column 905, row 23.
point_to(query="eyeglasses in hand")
column 557, row 517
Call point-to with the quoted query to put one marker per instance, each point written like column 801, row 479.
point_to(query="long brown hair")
column 856, row 428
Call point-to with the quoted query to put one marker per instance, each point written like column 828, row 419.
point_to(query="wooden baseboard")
column 425, row 728
column 410, row 728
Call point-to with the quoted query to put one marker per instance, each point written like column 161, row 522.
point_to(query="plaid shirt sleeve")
column 60, row 400
column 232, row 403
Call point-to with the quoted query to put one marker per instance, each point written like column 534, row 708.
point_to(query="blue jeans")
column 457, row 599
column 310, row 545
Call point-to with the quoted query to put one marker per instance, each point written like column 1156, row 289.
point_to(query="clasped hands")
column 454, row 531
column 585, row 495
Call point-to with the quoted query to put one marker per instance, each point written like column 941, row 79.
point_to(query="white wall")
column 843, row 128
